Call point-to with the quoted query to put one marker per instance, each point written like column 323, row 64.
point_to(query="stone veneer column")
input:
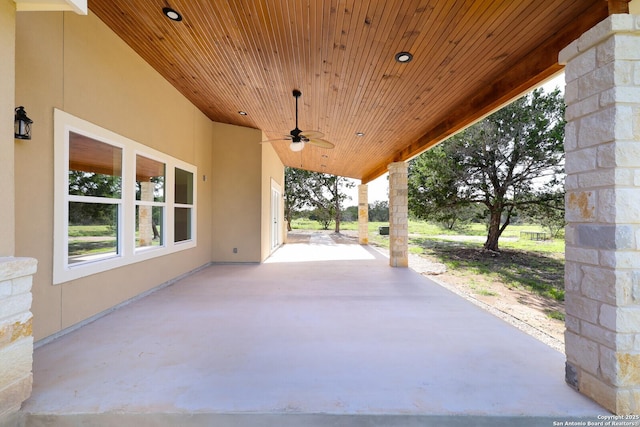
column 398, row 215
column 602, row 271
column 363, row 214
column 16, row 336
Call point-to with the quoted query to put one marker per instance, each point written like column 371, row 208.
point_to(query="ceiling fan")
column 299, row 138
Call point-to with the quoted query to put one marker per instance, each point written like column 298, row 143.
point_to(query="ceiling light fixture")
column 404, row 57
column 296, row 146
column 171, row 14
column 242, row 113
column 359, row 133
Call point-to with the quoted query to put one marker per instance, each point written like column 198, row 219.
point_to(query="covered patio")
column 320, row 334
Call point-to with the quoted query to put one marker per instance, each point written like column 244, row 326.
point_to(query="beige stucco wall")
column 75, row 63
column 7, row 100
column 236, row 179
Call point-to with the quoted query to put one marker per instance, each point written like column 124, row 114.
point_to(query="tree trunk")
column 494, row 230
column 287, row 217
column 336, row 195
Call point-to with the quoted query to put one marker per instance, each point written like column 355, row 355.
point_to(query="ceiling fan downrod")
column 295, row 133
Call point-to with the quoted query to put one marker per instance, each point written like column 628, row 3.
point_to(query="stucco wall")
column 7, row 92
column 236, row 182
column 75, row 63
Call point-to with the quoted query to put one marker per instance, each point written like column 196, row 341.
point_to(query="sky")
column 379, row 188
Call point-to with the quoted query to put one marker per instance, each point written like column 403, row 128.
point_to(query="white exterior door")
column 275, row 215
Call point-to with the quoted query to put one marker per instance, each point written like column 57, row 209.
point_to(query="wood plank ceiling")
column 469, row 57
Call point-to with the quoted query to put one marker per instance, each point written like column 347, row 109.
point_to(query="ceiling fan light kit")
column 296, row 146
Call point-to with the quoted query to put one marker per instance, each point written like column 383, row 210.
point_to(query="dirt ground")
column 523, row 309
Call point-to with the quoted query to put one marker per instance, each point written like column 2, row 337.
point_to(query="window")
column 94, row 199
column 114, row 200
column 183, row 206
column 150, row 202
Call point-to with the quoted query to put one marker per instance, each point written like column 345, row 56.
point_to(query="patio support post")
column 398, row 215
column 363, row 214
column 602, row 269
column 16, row 336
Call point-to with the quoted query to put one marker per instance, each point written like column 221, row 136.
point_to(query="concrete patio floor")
column 321, row 334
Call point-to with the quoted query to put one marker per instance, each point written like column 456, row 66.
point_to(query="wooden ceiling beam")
column 618, row 6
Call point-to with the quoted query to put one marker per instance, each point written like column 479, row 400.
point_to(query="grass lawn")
column 94, row 239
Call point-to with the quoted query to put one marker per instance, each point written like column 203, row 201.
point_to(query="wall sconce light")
column 22, row 124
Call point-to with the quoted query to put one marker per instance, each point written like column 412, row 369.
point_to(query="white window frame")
column 190, row 206
column 128, row 253
column 163, row 205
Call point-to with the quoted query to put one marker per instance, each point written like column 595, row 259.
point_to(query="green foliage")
column 320, row 191
column 322, row 216
column 499, row 163
column 350, row 214
column 379, row 211
column 296, row 193
column 95, row 185
column 554, row 314
column 548, row 211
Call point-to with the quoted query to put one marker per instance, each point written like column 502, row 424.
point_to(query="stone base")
column 617, row 400
column 16, row 335
column 12, row 396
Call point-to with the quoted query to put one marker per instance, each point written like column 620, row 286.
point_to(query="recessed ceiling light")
column 404, row 57
column 242, row 113
column 171, row 14
column 359, row 133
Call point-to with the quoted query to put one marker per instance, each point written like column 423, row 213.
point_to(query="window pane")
column 182, row 224
column 149, row 180
column 149, row 222
column 93, row 231
column 95, row 168
column 184, row 187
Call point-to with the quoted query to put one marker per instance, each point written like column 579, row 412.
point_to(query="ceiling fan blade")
column 311, row 134
column 320, row 143
column 275, row 140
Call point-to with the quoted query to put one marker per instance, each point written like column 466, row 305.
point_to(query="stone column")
column 602, row 270
column 398, row 215
column 363, row 214
column 16, row 335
